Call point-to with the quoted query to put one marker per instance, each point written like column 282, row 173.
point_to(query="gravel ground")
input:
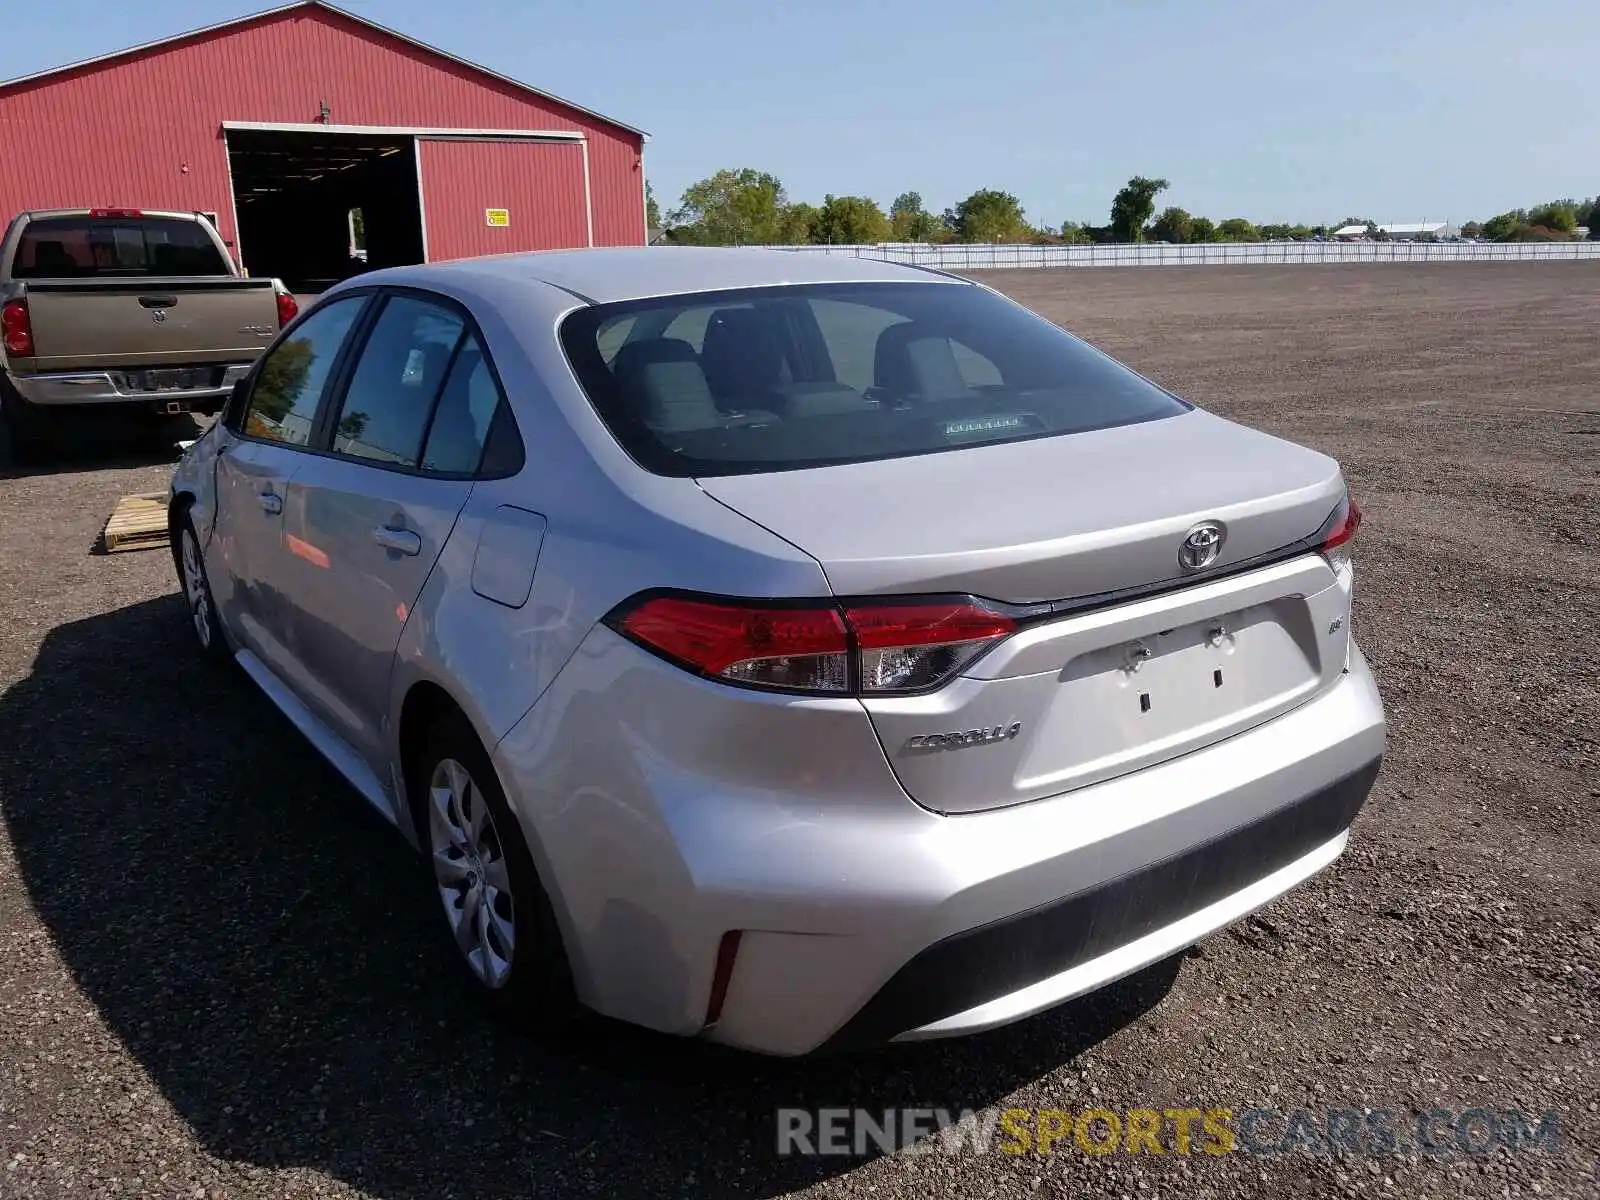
column 219, row 976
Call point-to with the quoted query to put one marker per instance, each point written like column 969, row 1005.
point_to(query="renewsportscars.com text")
column 1372, row 1132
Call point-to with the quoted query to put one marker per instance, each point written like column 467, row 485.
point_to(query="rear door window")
column 290, row 379
column 780, row 378
column 107, row 247
column 389, row 401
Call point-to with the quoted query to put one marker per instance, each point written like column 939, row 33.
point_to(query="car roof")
column 602, row 276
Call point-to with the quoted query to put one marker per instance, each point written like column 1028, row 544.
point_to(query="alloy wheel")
column 194, row 586
column 469, row 865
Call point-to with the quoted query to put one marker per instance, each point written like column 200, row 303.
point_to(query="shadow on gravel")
column 268, row 950
column 97, row 442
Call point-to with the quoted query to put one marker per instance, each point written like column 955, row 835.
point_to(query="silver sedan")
column 789, row 651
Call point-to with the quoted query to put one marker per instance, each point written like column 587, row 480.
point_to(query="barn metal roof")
column 326, row 7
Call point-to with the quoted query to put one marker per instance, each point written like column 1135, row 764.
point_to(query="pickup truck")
column 121, row 310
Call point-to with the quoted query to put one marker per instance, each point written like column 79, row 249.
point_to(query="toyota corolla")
column 791, row 651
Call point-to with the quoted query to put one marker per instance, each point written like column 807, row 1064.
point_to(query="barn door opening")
column 297, row 195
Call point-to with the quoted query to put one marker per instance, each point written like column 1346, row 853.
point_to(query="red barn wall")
column 540, row 184
column 145, row 130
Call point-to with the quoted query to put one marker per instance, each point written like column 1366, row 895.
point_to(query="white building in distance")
column 1437, row 230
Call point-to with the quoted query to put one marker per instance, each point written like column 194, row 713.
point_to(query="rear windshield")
column 93, row 247
column 742, row 382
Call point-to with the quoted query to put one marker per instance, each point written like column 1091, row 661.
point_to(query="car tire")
column 502, row 928
column 197, row 598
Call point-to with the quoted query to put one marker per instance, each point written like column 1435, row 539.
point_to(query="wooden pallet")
column 137, row 523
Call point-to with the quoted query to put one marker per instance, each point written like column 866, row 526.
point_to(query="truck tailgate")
column 149, row 321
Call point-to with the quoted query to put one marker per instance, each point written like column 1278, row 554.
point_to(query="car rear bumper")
column 1019, row 965
column 863, row 918
column 70, row 388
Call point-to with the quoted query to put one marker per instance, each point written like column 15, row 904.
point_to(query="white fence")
column 957, row 256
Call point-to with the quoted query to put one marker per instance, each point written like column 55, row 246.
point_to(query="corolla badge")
column 964, row 737
column 1201, row 546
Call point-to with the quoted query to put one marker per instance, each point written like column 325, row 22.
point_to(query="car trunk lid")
column 1135, row 659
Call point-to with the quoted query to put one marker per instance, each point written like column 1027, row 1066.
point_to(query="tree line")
column 746, row 207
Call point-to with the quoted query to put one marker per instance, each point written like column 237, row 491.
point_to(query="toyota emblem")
column 1201, row 546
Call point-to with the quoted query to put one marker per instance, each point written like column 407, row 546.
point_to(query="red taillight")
column 18, row 328
column 866, row 648
column 1343, row 524
column 803, row 648
column 116, row 212
column 288, row 308
column 908, row 647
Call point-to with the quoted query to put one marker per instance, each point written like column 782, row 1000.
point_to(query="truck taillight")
column 288, row 308
column 18, row 328
column 858, row 648
column 116, row 212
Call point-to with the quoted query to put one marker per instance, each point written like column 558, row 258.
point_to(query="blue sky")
column 1401, row 111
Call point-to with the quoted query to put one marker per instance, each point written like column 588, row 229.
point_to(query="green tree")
column 1202, row 229
column 988, row 216
column 1500, row 228
column 1559, row 215
column 1237, row 229
column 909, row 221
column 850, row 221
column 1132, row 206
column 797, row 224
column 1074, row 234
column 652, row 210
column 1173, row 225
column 741, row 207
column 906, row 204
column 1368, row 222
column 1535, row 233
column 1472, row 229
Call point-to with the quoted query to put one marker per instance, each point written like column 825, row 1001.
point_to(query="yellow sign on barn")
column 497, row 218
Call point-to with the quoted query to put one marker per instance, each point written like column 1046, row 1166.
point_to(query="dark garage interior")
column 295, row 193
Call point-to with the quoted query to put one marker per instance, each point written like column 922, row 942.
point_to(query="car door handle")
column 271, row 502
column 402, row 541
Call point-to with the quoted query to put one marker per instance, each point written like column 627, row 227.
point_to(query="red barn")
column 320, row 143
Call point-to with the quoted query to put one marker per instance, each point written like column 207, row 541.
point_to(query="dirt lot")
column 219, row 976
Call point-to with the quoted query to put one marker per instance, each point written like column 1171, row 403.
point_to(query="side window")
column 690, row 326
column 289, row 382
column 851, row 333
column 613, row 335
column 390, row 397
column 466, row 411
column 975, row 369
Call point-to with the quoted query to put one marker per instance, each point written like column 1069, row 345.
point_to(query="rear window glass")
column 91, row 247
column 742, row 382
